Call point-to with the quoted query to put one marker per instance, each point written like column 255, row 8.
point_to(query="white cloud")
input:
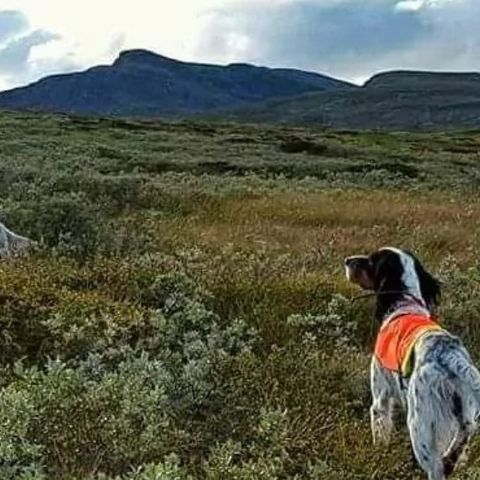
column 416, row 5
column 410, row 5
column 91, row 25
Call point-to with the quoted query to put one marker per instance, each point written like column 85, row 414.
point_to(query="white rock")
column 12, row 244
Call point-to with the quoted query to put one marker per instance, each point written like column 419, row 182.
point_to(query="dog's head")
column 393, row 273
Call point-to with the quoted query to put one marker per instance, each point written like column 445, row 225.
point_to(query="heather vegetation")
column 186, row 316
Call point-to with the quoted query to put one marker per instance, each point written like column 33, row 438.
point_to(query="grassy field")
column 187, row 316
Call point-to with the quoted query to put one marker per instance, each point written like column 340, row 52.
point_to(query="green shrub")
column 187, row 316
column 70, row 224
column 113, row 396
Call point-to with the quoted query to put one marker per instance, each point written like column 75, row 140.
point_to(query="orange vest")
column 396, row 341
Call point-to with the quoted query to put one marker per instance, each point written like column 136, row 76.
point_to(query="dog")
column 417, row 365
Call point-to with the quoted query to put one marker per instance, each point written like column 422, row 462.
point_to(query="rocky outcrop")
column 12, row 244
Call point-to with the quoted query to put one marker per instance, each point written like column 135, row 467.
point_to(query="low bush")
column 187, row 315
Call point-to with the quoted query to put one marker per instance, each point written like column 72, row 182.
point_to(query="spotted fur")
column 442, row 396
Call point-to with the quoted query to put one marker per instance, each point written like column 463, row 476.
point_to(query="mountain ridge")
column 393, row 100
column 145, row 84
column 140, row 82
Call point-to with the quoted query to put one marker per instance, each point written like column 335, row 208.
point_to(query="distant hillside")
column 394, row 100
column 418, row 80
column 143, row 83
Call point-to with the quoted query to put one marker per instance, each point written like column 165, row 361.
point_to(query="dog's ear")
column 386, row 271
column 429, row 285
column 386, row 268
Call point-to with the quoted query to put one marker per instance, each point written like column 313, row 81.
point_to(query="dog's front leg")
column 381, row 411
column 381, row 420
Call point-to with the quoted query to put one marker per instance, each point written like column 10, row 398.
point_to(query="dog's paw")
column 381, row 433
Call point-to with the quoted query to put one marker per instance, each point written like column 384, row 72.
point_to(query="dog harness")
column 397, row 338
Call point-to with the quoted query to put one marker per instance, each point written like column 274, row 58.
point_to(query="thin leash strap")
column 388, row 292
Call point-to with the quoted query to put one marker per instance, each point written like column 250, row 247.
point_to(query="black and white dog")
column 441, row 392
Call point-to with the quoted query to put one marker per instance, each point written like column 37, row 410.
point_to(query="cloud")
column 348, row 38
column 312, row 34
column 11, row 23
column 410, row 5
column 15, row 54
column 24, row 53
column 415, row 5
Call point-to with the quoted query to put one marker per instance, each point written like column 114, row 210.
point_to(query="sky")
column 347, row 39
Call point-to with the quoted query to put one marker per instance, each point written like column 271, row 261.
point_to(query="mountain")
column 391, row 100
column 415, row 80
column 143, row 83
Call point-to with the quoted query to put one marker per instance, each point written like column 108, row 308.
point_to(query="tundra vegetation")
column 185, row 314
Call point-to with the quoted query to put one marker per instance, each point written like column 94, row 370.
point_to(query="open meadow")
column 186, row 315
